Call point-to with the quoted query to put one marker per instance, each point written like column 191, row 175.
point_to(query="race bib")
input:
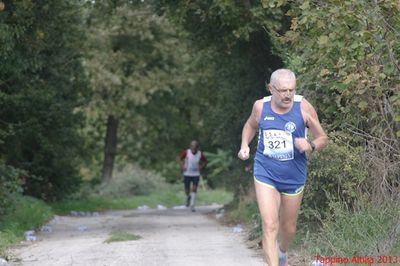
column 278, row 144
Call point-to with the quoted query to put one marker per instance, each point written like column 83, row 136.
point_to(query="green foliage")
column 334, row 175
column 247, row 212
column 163, row 127
column 220, row 164
column 171, row 171
column 28, row 213
column 10, row 185
column 347, row 57
column 134, row 56
column 172, row 196
column 41, row 86
column 221, row 23
column 359, row 231
column 130, row 55
column 231, row 57
column 131, row 182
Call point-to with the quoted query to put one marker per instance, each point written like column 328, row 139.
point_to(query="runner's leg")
column 195, row 185
column 290, row 206
column 186, row 181
column 268, row 200
column 194, row 191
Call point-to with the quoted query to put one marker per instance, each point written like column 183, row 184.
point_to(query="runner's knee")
column 270, row 226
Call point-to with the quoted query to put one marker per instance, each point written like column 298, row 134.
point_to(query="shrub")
column 171, row 171
column 225, row 170
column 131, row 181
column 10, row 185
column 334, row 174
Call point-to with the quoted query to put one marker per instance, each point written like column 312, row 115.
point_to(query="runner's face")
column 193, row 147
column 283, row 93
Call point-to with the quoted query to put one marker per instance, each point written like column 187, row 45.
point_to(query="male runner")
column 280, row 161
column 192, row 162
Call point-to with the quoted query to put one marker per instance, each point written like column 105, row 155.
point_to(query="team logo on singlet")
column 271, row 118
column 290, row 127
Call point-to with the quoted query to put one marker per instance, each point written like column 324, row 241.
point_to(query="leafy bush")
column 131, row 181
column 171, row 171
column 10, row 184
column 224, row 171
column 335, row 174
column 354, row 52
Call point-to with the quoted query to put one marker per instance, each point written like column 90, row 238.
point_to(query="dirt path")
column 170, row 237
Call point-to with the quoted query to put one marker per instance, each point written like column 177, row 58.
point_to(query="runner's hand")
column 244, row 153
column 302, row 145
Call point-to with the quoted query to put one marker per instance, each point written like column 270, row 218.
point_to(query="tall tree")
column 132, row 54
column 41, row 86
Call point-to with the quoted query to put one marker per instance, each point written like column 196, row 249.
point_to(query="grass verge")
column 167, row 198
column 367, row 231
column 119, row 236
column 28, row 213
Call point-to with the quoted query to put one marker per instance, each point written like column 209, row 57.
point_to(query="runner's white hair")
column 282, row 73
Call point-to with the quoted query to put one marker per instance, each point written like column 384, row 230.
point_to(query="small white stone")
column 161, row 207
column 46, row 229
column 181, row 207
column 238, row 228
column 82, row 228
column 3, row 262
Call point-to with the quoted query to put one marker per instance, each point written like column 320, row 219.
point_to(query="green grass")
column 245, row 213
column 351, row 232
column 29, row 213
column 118, row 236
column 396, row 248
column 166, row 198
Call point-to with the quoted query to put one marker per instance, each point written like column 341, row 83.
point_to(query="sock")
column 192, row 198
column 282, row 257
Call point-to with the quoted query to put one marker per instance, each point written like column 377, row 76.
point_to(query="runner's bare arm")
column 250, row 129
column 203, row 161
column 182, row 157
column 312, row 122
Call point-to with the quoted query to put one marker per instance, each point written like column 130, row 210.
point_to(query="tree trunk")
column 110, row 147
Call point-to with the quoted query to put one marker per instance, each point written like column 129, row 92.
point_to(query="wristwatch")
column 312, row 145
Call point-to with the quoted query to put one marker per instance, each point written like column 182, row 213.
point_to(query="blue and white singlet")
column 277, row 158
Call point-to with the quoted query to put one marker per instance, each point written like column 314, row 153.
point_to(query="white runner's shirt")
column 192, row 163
